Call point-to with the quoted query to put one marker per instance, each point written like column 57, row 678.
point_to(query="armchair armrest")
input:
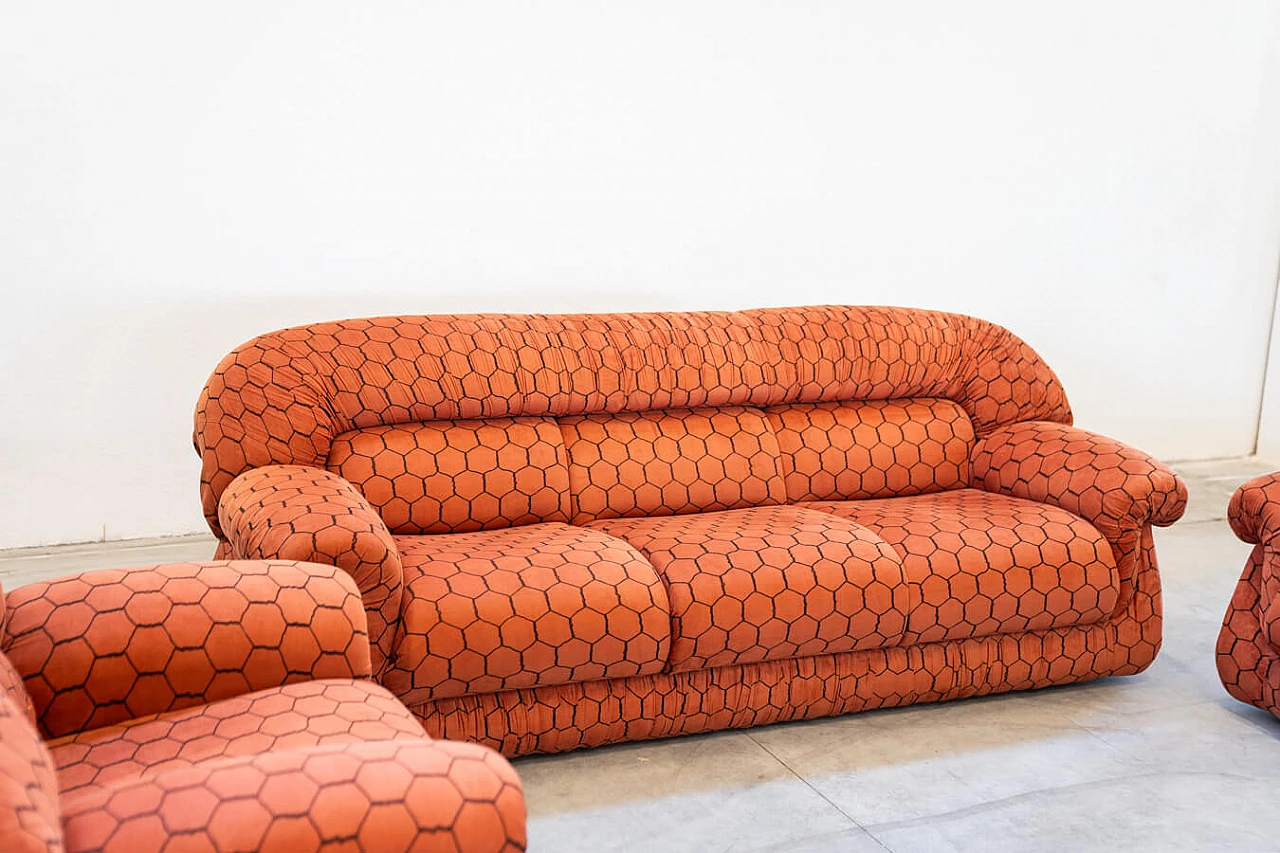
column 108, row 646
column 1254, row 510
column 1105, row 482
column 29, row 813
column 294, row 512
column 384, row 795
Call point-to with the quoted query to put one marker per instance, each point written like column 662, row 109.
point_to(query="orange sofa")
column 1249, row 643
column 223, row 706
column 576, row 529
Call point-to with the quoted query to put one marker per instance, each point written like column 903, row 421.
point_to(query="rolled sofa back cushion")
column 880, row 449
column 487, row 474
column 458, row 476
column 672, row 462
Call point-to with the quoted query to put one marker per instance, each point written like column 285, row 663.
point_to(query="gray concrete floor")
column 1160, row 761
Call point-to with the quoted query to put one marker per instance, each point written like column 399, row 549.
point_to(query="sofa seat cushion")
column 523, row 607
column 297, row 715
column 990, row 564
column 769, row 583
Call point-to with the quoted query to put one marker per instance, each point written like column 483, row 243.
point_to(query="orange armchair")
column 216, row 706
column 1248, row 651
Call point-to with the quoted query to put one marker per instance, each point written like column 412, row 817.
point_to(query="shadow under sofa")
column 570, row 530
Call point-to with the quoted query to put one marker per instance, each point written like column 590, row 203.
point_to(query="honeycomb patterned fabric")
column 845, row 451
column 107, row 646
column 543, row 604
column 11, row 686
column 30, row 817
column 569, row 530
column 661, row 463
column 285, row 758
column 282, row 398
column 427, row 478
column 371, row 796
column 770, row 583
column 983, row 563
column 310, row 514
column 1248, row 652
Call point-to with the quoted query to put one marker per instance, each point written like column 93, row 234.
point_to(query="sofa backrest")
column 567, row 391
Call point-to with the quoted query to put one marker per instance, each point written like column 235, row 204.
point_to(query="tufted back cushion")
column 458, row 476
column 848, row 451
column 671, row 462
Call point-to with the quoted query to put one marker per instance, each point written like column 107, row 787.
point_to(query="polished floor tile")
column 721, row 791
column 1164, row 760
column 1154, row 811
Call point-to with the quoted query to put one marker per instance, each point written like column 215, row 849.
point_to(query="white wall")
column 1098, row 176
column 1268, row 433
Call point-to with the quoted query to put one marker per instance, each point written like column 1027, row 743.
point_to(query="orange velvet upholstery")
column 847, row 451
column 292, row 512
column 536, row 605
column 576, row 529
column 361, row 796
column 982, row 563
column 1114, row 487
column 112, row 645
column 632, row 464
column 223, row 706
column 282, row 398
column 30, row 814
column 458, row 476
column 769, row 583
column 1248, row 651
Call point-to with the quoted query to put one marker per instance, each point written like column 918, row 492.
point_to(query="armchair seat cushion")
column 770, row 583
column 527, row 606
column 985, row 563
column 295, row 715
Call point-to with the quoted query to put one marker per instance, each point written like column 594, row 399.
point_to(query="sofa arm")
column 381, row 795
column 1254, row 510
column 108, row 646
column 1104, row 481
column 294, row 512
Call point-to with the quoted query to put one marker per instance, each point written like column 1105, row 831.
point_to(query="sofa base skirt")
column 563, row 717
column 1248, row 664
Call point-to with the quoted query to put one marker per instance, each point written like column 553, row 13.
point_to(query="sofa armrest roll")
column 108, row 646
column 1254, row 510
column 1113, row 486
column 295, row 512
column 30, row 820
column 375, row 796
